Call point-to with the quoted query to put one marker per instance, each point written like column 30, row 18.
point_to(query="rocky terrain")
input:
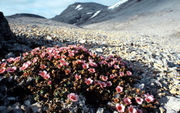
column 150, row 47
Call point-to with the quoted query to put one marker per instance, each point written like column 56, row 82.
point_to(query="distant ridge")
column 78, row 13
column 18, row 15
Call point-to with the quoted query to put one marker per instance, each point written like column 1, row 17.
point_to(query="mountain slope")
column 78, row 13
column 25, row 15
column 150, row 17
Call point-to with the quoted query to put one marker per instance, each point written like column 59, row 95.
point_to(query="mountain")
column 78, row 13
column 25, row 15
column 150, row 17
column 116, row 10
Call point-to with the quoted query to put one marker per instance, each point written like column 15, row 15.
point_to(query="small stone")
column 99, row 50
column 162, row 110
column 48, row 38
column 23, row 107
column 175, row 90
column 82, row 41
column 172, row 104
column 11, row 54
column 100, row 110
column 27, row 103
column 36, row 108
column 115, row 112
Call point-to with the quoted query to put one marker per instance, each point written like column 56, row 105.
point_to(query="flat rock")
column 172, row 105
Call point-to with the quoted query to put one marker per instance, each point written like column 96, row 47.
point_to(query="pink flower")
column 112, row 76
column 3, row 64
column 2, row 70
column 44, row 74
column 81, row 56
column 36, row 49
column 116, row 66
column 49, row 82
column 120, row 108
column 43, row 55
column 49, row 58
column 91, row 70
column 42, row 66
column 71, row 53
column 109, row 83
column 104, row 78
column 35, row 59
column 73, row 97
column 10, row 60
column 129, row 73
column 91, row 63
column 67, row 71
column 102, row 57
column 24, row 66
column 119, row 89
column 139, row 100
column 63, row 62
column 127, row 101
column 11, row 69
column 96, row 82
column 121, row 74
column 77, row 77
column 59, row 66
column 29, row 63
column 103, row 84
column 57, row 56
column 88, row 81
column 17, row 59
column 85, row 66
column 25, row 54
column 149, row 98
column 79, row 61
column 131, row 109
column 63, row 56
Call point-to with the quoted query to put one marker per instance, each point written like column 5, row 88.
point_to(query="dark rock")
column 5, row 35
column 3, row 109
column 5, row 32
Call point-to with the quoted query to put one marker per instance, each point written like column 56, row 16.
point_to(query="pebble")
column 175, row 90
column 100, row 110
column 162, row 110
column 27, row 103
column 36, row 107
column 48, row 38
column 172, row 105
column 82, row 41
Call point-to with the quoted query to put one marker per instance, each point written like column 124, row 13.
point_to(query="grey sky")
column 46, row 8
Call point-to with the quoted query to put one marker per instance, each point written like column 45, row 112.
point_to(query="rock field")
column 156, row 62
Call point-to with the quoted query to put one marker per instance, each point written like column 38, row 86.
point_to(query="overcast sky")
column 46, row 8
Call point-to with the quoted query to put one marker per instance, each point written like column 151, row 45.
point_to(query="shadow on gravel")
column 8, row 88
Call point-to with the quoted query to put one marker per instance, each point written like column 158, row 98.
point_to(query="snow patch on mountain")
column 79, row 7
column 95, row 14
column 117, row 4
column 89, row 13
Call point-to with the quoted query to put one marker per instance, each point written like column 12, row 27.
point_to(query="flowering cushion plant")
column 61, row 73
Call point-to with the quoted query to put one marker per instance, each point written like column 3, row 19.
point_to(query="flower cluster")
column 59, row 71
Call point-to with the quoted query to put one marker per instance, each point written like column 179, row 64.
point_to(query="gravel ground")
column 157, row 62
